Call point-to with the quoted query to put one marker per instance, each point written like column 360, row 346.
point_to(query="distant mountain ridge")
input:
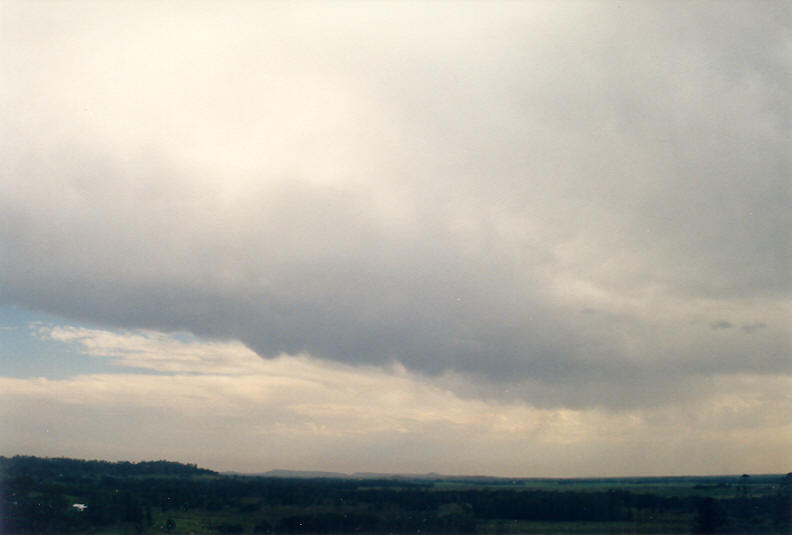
column 59, row 466
column 302, row 474
column 498, row 480
column 310, row 474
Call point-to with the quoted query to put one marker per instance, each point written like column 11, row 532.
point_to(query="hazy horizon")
column 509, row 238
column 281, row 472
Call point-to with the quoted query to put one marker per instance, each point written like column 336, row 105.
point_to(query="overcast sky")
column 537, row 238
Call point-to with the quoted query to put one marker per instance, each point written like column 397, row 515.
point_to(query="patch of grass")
column 668, row 524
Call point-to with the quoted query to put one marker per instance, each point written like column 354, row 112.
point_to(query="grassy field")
column 658, row 526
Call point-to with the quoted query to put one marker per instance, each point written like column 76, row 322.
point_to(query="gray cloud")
column 446, row 186
column 721, row 324
column 749, row 328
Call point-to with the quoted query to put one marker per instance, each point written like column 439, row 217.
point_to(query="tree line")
column 39, row 497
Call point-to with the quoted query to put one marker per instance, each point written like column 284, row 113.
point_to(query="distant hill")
column 55, row 467
column 312, row 474
column 58, row 467
column 298, row 474
column 510, row 481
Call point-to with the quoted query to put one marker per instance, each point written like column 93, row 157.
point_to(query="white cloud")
column 157, row 351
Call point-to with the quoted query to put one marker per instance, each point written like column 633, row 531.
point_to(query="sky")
column 505, row 238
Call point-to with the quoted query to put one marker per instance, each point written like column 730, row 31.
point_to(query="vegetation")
column 53, row 496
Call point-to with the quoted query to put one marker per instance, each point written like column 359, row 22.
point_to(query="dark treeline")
column 23, row 465
column 39, row 497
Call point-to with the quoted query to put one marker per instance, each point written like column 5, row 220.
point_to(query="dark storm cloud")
column 444, row 187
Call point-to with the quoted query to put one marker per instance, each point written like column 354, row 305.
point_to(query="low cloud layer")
column 222, row 406
column 565, row 204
